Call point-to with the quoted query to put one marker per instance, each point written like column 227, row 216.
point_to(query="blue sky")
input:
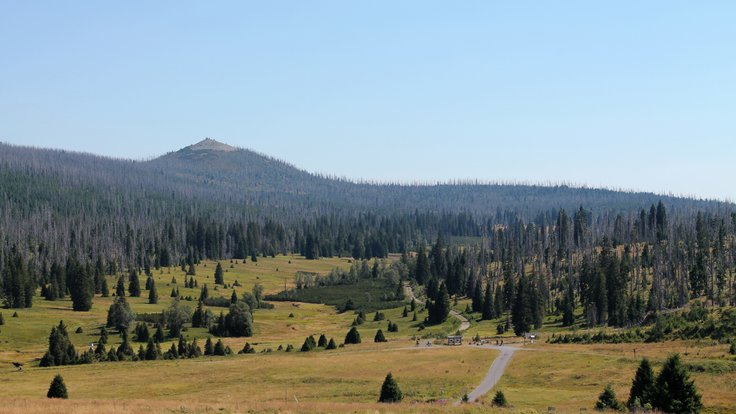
column 635, row 95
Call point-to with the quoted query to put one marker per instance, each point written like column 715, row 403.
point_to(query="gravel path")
column 497, row 367
column 494, row 373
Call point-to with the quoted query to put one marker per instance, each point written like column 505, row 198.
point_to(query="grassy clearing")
column 24, row 338
column 350, row 375
column 570, row 377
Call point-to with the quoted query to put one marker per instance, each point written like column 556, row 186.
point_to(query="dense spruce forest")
column 66, row 219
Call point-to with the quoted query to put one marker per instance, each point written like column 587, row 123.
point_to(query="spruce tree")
column 642, row 387
column 675, row 392
column 119, row 315
column 331, row 344
column 322, row 341
column 151, row 351
column 390, row 392
column 439, row 310
column 379, row 337
column 57, row 389
column 104, row 289
column 233, row 297
column 477, row 297
column 521, row 312
column 209, row 348
column 353, row 336
column 608, row 400
column 81, row 285
column 219, row 276
column 152, row 294
column 219, row 348
column 120, row 287
column 499, row 400
column 159, row 335
column 488, row 309
column 134, row 284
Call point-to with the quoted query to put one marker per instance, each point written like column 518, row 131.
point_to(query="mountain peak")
column 209, row 144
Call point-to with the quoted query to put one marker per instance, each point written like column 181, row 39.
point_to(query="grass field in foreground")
column 570, row 377
column 350, row 375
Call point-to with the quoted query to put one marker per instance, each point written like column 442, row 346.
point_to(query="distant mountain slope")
column 214, row 174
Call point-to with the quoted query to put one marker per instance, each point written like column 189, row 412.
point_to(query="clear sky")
column 635, row 95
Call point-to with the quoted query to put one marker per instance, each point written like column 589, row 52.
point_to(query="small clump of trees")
column 672, row 391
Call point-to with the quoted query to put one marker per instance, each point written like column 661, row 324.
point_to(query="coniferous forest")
column 70, row 218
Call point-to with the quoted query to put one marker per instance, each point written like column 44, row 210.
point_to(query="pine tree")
column 209, row 348
column 103, row 335
column 152, row 294
column 141, row 333
column 120, row 287
column 499, row 400
column 119, row 315
column 353, row 336
column 488, row 309
column 331, row 344
column 390, row 391
column 104, row 289
column 159, row 335
column 309, row 344
column 379, row 337
column 674, row 391
column 134, row 284
column 81, row 285
column 204, row 293
column 57, row 388
column 642, row 387
column 322, row 341
column 151, row 351
column 219, row 277
column 608, row 400
column 440, row 308
column 477, row 297
column 521, row 312
column 233, row 297
column 219, row 348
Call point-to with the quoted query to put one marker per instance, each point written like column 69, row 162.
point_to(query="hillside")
column 210, row 170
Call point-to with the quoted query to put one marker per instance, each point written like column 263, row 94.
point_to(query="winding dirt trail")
column 464, row 322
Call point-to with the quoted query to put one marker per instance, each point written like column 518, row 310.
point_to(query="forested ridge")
column 67, row 218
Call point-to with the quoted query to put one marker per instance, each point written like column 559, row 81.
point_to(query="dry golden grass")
column 323, row 380
column 570, row 377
